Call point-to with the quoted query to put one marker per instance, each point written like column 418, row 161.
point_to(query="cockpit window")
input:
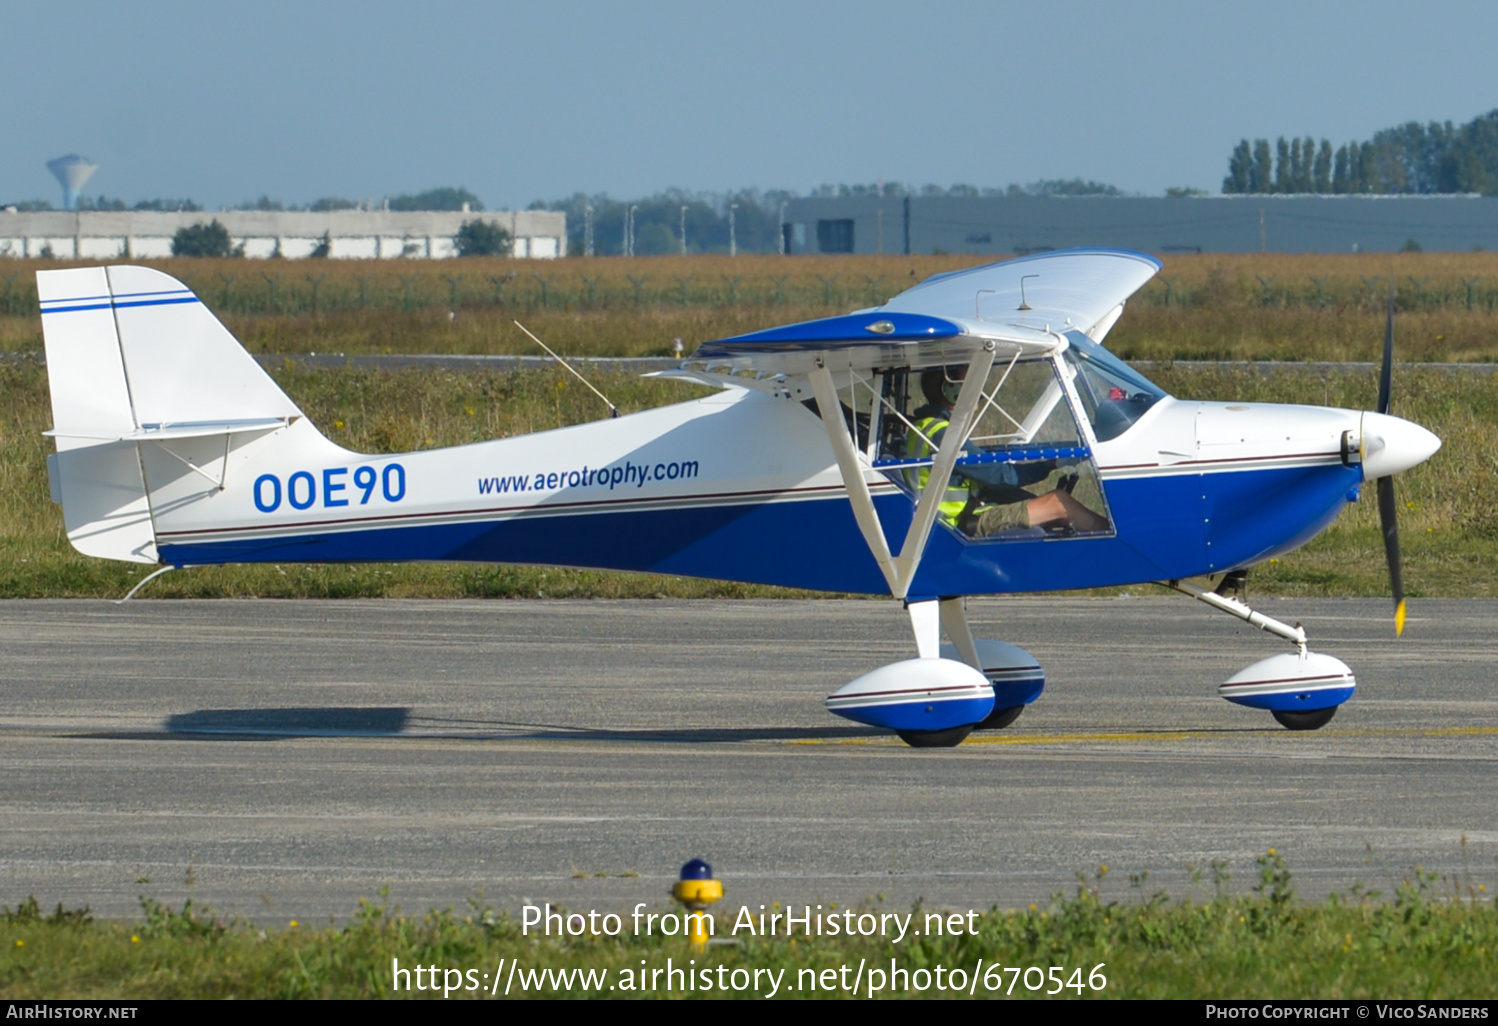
column 1024, row 471
column 1113, row 394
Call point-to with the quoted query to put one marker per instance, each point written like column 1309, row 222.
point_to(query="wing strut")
column 899, row 571
column 852, row 472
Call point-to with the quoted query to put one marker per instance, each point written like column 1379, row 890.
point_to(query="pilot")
column 987, row 499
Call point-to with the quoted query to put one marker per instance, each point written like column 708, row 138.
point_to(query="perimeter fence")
column 1421, row 282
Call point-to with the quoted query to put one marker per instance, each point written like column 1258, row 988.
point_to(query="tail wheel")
column 1312, row 719
column 949, row 738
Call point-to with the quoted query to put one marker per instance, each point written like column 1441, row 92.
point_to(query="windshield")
column 1114, row 395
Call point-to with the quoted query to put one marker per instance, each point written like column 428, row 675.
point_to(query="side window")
column 1024, row 472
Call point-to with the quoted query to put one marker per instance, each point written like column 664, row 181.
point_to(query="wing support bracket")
column 899, row 570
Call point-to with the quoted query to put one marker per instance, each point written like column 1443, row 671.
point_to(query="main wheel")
column 1001, row 718
column 949, row 738
column 1312, row 719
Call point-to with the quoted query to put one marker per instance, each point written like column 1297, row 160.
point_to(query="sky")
column 228, row 101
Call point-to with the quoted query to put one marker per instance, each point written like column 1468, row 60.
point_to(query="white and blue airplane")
column 972, row 436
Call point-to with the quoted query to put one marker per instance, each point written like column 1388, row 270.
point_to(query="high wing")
column 1018, row 307
column 1076, row 289
column 998, row 313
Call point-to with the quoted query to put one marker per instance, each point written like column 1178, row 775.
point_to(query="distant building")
column 352, row 234
column 1009, row 225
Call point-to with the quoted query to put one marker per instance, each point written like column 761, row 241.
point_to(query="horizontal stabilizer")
column 164, row 432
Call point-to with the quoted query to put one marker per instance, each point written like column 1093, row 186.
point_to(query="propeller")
column 1388, row 507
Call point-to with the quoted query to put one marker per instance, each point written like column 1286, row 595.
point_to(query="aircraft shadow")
column 397, row 721
column 687, row 735
column 280, row 724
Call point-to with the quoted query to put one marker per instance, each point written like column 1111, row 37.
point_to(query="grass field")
column 1428, row 938
column 1449, row 515
column 1257, row 306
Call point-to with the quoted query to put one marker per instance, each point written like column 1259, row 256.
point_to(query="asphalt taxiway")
column 283, row 759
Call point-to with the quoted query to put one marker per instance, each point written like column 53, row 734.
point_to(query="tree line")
column 1411, row 159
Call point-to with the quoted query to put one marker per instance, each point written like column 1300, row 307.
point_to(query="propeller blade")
column 1386, row 372
column 1388, row 521
column 1388, row 506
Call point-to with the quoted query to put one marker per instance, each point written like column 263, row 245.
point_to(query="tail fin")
column 134, row 357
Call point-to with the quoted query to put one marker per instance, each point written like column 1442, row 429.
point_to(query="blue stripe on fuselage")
column 1168, row 527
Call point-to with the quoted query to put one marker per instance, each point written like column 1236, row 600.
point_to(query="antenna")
column 614, row 410
column 71, row 171
column 1024, row 304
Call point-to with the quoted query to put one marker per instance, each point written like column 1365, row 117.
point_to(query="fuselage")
column 742, row 485
column 174, row 447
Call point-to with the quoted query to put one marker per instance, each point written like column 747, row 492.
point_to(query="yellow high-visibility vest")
column 956, row 497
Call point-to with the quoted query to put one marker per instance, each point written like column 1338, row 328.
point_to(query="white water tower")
column 72, row 171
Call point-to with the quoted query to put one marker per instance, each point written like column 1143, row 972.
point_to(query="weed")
column 192, row 921
column 30, row 912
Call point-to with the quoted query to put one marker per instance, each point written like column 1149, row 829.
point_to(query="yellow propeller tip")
column 1399, row 619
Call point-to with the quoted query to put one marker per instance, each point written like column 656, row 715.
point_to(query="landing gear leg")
column 954, row 621
column 926, row 620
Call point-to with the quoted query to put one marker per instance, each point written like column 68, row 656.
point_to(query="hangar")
column 1009, row 225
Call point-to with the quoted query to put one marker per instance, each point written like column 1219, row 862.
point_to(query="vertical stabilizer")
column 182, row 364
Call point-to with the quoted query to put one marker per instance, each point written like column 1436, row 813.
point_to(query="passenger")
column 987, row 499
